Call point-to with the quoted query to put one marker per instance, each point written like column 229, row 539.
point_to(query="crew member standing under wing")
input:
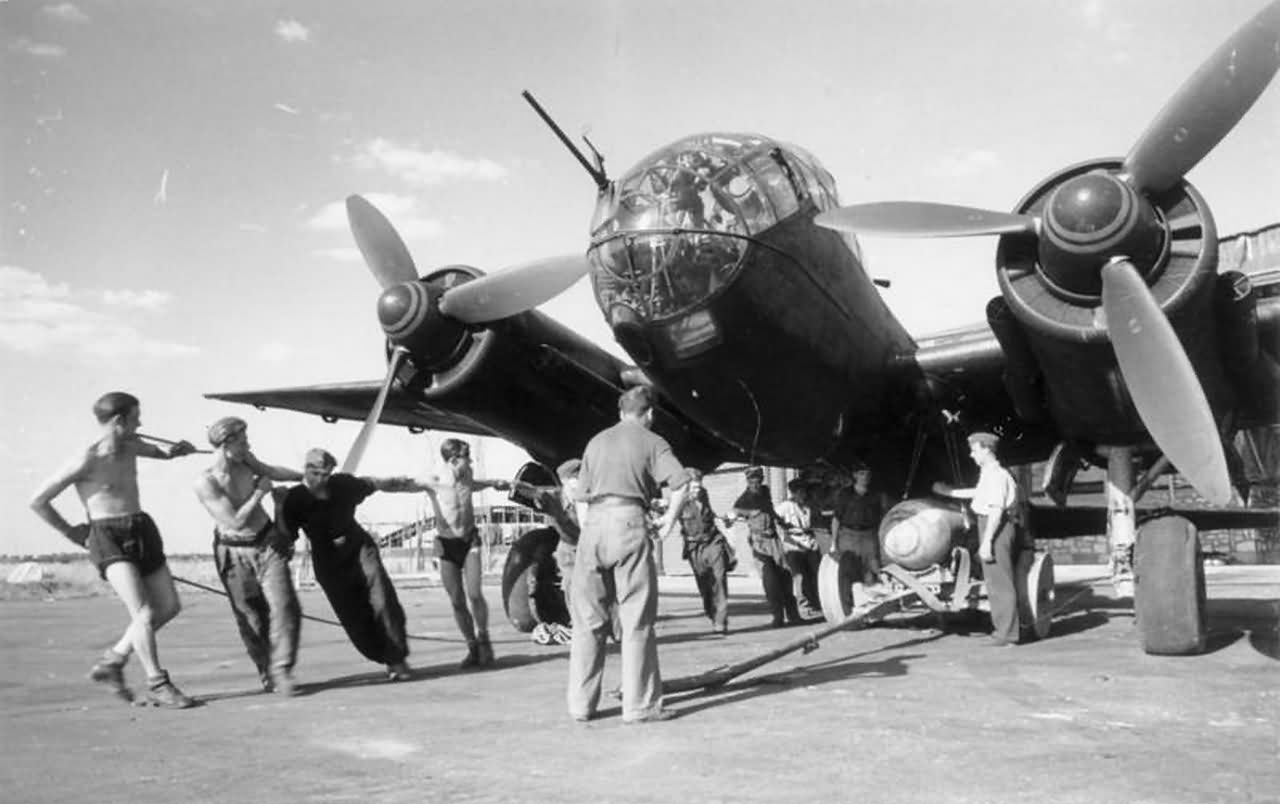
column 456, row 536
column 755, row 507
column 251, row 559
column 856, row 528
column 1000, row 507
column 346, row 561
column 707, row 551
column 623, row 467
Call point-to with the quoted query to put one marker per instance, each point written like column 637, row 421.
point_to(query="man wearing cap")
column 345, row 557
column 755, row 507
column 802, row 553
column 623, row 468
column 707, row 550
column 251, row 560
column 1000, row 507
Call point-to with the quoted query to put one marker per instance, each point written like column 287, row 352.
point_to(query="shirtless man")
column 123, row 541
column 251, row 558
column 457, row 534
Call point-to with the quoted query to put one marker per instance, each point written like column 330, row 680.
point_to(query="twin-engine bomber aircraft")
column 730, row 274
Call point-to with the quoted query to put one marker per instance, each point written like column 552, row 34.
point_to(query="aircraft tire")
column 531, row 592
column 835, row 588
column 1169, row 590
column 1035, row 593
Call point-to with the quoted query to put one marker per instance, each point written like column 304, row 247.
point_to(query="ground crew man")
column 623, row 468
column 123, row 542
column 251, row 558
column 1000, row 507
column 755, row 507
column 345, row 557
column 707, row 550
column 855, row 526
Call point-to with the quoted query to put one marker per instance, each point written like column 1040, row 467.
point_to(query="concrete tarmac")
column 896, row 713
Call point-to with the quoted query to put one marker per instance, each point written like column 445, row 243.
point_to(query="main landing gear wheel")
column 531, row 593
column 1168, row 592
column 1035, row 593
column 835, row 588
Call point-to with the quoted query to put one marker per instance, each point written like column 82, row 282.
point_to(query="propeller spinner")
column 1101, row 240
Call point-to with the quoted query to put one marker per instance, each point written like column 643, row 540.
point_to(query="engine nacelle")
column 916, row 534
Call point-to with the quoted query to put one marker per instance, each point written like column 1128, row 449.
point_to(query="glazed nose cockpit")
column 676, row 228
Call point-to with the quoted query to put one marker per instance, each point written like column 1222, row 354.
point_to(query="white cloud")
column 67, row 12
column 36, row 316
column 292, row 31
column 970, row 163
column 140, row 299
column 39, row 49
column 418, row 167
column 404, row 212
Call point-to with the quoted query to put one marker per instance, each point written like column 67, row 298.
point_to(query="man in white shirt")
column 998, row 504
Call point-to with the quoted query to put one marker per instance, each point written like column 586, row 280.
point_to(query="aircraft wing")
column 354, row 400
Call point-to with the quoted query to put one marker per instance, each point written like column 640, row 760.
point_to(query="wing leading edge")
column 353, row 400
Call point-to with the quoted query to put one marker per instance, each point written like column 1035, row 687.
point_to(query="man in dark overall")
column 707, row 551
column 345, row 558
column 248, row 553
column 623, row 468
column 999, row 505
column 123, row 541
column 755, row 507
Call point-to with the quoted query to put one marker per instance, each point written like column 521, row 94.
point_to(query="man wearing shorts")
column 251, row 559
column 456, row 535
column 123, row 541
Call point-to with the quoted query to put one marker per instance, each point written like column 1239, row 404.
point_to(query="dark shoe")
column 111, row 675
column 583, row 718
column 264, row 677
column 722, row 630
column 472, row 659
column 399, row 672
column 485, row 650
column 283, row 683
column 777, row 622
column 161, row 692
column 654, row 717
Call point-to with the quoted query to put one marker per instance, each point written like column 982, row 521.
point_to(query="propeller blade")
column 923, row 219
column 513, row 290
column 1162, row 382
column 366, row 432
column 383, row 250
column 1208, row 105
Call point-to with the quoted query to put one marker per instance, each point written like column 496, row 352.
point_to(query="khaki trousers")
column 614, row 568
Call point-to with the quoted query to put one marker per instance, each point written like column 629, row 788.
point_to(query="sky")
column 172, row 177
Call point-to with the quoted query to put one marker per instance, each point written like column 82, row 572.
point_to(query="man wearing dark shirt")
column 856, row 529
column 623, row 468
column 707, row 551
column 345, row 558
column 755, row 507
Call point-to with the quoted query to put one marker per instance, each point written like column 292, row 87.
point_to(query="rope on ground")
column 419, row 637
